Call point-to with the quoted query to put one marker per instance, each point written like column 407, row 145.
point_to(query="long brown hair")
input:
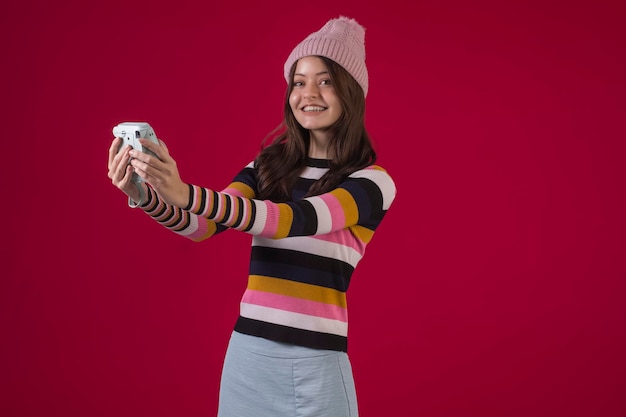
column 349, row 148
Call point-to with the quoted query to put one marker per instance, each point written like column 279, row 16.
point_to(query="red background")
column 494, row 287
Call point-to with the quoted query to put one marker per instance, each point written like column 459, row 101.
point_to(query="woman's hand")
column 120, row 172
column 161, row 172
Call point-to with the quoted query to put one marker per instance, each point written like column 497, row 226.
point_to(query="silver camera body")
column 131, row 132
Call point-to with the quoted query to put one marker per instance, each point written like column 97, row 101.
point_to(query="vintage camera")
column 130, row 132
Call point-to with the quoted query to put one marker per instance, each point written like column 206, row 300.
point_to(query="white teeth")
column 313, row 108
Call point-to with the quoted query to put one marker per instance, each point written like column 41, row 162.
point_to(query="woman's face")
column 313, row 100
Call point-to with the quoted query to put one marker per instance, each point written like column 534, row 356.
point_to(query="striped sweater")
column 303, row 251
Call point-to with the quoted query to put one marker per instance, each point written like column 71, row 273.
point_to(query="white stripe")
column 193, row 225
column 207, row 200
column 382, row 180
column 233, row 207
column 313, row 173
column 324, row 219
column 260, row 219
column 168, row 211
column 314, row 246
column 218, row 204
column 296, row 320
column 244, row 215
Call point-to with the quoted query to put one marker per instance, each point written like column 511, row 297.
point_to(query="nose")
column 311, row 90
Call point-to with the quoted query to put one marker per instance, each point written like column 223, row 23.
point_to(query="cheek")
column 293, row 101
column 338, row 108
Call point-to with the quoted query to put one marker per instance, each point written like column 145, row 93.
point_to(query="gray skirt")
column 263, row 378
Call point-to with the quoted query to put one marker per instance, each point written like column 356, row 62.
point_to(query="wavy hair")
column 280, row 163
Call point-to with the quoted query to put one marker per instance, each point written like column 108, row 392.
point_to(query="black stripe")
column 215, row 204
column 160, row 212
column 239, row 207
column 300, row 337
column 191, row 195
column 246, row 176
column 187, row 217
column 228, row 208
column 317, row 162
column 170, row 215
column 305, row 220
column 149, row 202
column 252, row 216
column 203, row 201
column 220, row 228
column 300, row 267
column 301, row 188
column 369, row 200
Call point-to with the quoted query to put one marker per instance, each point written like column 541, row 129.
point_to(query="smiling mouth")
column 307, row 109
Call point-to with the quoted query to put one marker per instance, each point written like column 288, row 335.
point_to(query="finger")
column 146, row 159
column 128, row 174
column 113, row 149
column 115, row 154
column 123, row 177
column 120, row 159
column 143, row 169
column 161, row 152
column 120, row 162
column 122, row 155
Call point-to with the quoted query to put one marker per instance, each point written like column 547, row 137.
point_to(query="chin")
column 316, row 125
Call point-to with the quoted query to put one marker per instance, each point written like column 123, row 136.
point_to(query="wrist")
column 134, row 202
column 190, row 198
column 184, row 196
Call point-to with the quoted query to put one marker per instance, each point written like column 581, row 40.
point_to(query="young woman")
column 312, row 200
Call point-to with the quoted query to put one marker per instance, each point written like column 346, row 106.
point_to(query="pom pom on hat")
column 342, row 40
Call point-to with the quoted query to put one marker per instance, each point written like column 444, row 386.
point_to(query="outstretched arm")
column 161, row 173
column 191, row 225
column 362, row 199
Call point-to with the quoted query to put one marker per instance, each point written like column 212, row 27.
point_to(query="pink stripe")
column 232, row 191
column 345, row 238
column 159, row 204
column 196, row 194
column 209, row 203
column 336, row 211
column 200, row 232
column 295, row 305
column 167, row 212
column 271, row 223
column 221, row 201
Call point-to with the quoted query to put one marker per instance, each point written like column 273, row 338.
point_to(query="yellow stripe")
column 174, row 220
column 362, row 233
column 244, row 189
column 211, row 229
column 245, row 221
column 220, row 202
column 297, row 290
column 235, row 208
column 285, row 217
column 350, row 209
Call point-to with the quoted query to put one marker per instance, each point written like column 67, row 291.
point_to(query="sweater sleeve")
column 191, row 225
column 362, row 199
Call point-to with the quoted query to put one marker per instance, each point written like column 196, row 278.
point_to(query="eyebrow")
column 319, row 73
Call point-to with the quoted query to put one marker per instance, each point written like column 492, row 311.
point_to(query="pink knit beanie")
column 343, row 41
